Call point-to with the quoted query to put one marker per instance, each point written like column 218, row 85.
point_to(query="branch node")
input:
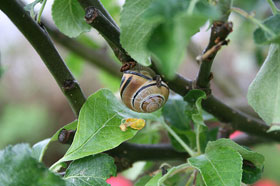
column 66, row 136
column 69, row 84
column 91, row 14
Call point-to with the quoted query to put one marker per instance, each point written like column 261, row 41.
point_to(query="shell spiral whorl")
column 141, row 93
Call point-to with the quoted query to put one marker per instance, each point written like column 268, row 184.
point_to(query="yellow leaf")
column 134, row 123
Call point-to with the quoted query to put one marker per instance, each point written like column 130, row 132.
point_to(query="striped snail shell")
column 141, row 92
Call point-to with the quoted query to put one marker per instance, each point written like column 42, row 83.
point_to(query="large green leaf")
column 91, row 170
column 262, row 36
column 68, row 16
column 98, row 125
column 220, row 166
column 161, row 29
column 135, row 30
column 264, row 91
column 254, row 157
column 169, row 39
column 19, row 168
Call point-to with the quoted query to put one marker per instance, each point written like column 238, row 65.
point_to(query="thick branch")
column 99, row 58
column 39, row 39
column 128, row 153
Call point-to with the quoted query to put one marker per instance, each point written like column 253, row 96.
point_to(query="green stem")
column 254, row 20
column 191, row 6
column 197, row 139
column 41, row 11
column 184, row 145
column 53, row 168
column 274, row 9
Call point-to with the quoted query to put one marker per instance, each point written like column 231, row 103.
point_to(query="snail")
column 142, row 90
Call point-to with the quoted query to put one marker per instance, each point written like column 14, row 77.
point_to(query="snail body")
column 141, row 92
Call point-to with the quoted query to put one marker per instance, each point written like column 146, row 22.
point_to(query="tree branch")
column 39, row 39
column 109, row 31
column 219, row 32
column 126, row 154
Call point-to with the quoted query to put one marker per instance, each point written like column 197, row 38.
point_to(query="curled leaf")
column 134, row 123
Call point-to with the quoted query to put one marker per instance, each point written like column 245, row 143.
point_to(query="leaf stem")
column 254, row 20
column 197, row 139
column 273, row 7
column 184, row 145
column 53, row 168
column 41, row 11
column 191, row 6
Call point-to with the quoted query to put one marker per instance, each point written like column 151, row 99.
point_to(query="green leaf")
column 40, row 148
column 169, row 40
column 154, row 180
column 18, row 167
column 135, row 30
column 187, row 136
column 272, row 23
column 174, row 113
column 98, row 125
column 68, row 16
column 194, row 109
column 219, row 166
column 143, row 180
column 30, row 7
column 161, row 29
column 264, row 91
column 254, row 157
column 91, row 170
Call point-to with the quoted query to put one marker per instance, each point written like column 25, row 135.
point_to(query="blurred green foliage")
column 22, row 123
column 271, row 153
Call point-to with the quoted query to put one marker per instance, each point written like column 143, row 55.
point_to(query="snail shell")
column 141, row 93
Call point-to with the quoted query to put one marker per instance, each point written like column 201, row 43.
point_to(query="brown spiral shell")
column 141, row 93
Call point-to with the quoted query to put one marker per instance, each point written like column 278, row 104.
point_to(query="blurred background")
column 32, row 107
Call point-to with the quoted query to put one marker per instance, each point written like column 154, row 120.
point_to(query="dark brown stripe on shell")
column 126, row 84
column 138, row 92
column 123, row 79
column 137, row 74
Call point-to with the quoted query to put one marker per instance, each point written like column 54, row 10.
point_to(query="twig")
column 109, row 31
column 39, row 39
column 97, row 4
column 219, row 32
column 273, row 7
